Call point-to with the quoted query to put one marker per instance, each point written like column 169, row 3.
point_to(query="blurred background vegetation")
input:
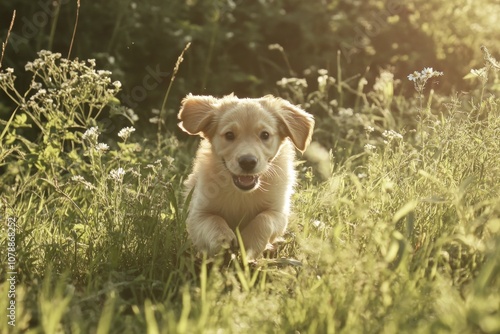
column 140, row 42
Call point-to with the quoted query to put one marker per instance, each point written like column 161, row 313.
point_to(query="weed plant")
column 396, row 227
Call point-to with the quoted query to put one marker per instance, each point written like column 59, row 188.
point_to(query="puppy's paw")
column 223, row 240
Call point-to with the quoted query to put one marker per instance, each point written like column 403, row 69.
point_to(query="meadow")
column 396, row 214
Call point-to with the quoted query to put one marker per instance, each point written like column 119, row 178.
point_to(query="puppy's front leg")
column 264, row 228
column 209, row 232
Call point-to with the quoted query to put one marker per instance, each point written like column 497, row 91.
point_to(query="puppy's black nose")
column 247, row 162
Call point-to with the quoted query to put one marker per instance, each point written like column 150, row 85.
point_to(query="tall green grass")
column 400, row 232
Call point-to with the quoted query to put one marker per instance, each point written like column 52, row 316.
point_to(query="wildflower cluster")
column 423, row 76
column 369, row 129
column 383, row 89
column 125, row 132
column 7, row 79
column 324, row 80
column 117, row 174
column 369, row 148
column 91, row 135
column 490, row 60
column 346, row 112
column 481, row 74
column 101, row 147
column 383, row 80
column 156, row 164
column 81, row 179
column 7, row 75
column 296, row 82
column 275, row 47
column 59, row 88
column 419, row 79
column 65, row 79
column 113, row 165
column 391, row 135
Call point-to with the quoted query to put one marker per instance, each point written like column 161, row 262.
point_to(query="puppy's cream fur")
column 243, row 174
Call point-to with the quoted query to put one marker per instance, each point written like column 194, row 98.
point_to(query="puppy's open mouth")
column 246, row 182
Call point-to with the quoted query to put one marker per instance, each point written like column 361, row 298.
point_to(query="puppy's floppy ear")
column 295, row 123
column 197, row 114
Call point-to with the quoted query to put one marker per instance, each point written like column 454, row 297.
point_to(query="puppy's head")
column 246, row 134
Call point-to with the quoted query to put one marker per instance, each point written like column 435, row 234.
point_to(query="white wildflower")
column 284, row 82
column 43, row 53
column 65, row 61
column 369, row 129
column 36, row 85
column 318, row 224
column 117, row 84
column 301, row 82
column 414, row 76
column 81, row 179
column 38, row 95
column 154, row 120
column 346, row 112
column 421, row 78
column 125, row 132
column 91, row 134
column 391, row 134
column 103, row 73
column 322, row 82
column 322, row 71
column 77, row 178
column 117, row 174
column 369, row 148
column 427, row 71
column 275, row 47
column 132, row 115
column 480, row 73
column 101, row 147
column 157, row 164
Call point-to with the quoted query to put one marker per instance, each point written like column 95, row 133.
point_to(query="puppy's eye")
column 229, row 135
column 264, row 135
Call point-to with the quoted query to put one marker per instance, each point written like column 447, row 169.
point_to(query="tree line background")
column 230, row 52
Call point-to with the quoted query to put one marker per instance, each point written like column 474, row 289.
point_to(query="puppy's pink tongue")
column 246, row 180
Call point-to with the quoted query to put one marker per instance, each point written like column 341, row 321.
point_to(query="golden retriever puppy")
column 243, row 174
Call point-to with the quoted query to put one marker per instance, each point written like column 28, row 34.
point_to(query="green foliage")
column 101, row 212
column 230, row 41
column 396, row 224
column 403, row 236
